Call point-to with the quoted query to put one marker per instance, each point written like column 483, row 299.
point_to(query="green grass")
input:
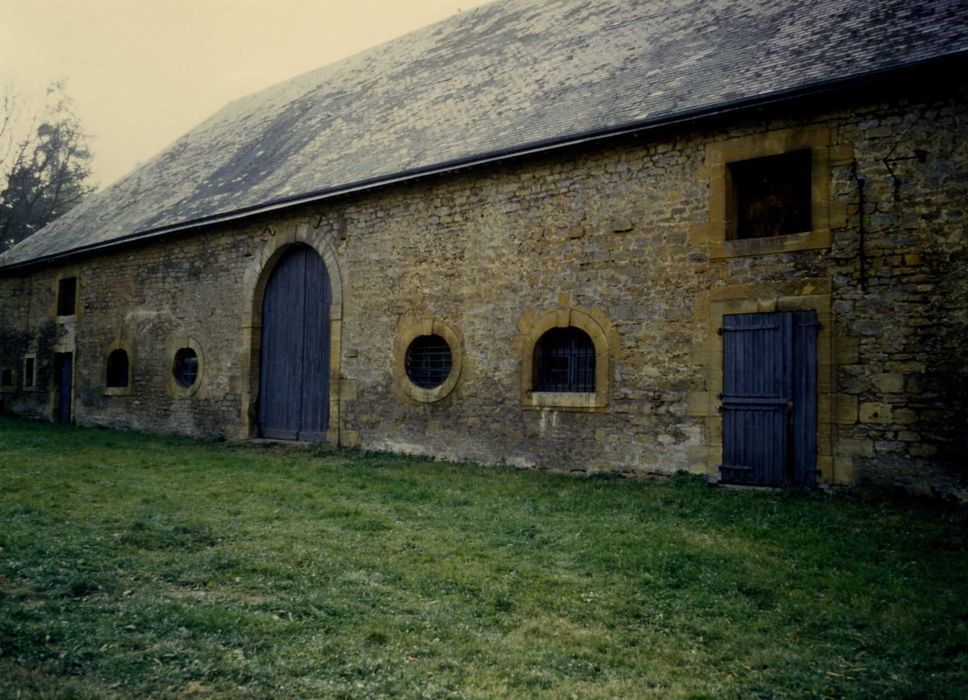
column 134, row 565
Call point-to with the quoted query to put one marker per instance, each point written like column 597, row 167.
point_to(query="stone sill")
column 564, row 400
column 789, row 243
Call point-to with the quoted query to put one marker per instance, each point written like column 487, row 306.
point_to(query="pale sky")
column 144, row 72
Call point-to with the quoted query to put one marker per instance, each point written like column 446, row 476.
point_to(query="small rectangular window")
column 6, row 377
column 67, row 296
column 771, row 195
column 29, row 372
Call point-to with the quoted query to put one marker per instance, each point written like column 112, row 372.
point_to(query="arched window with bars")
column 564, row 361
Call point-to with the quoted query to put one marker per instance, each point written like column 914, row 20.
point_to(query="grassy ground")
column 134, row 566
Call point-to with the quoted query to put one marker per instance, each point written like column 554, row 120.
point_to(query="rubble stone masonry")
column 624, row 235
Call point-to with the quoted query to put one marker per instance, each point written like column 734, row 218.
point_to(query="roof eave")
column 535, row 147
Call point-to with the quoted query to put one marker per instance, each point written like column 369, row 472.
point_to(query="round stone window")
column 427, row 358
column 185, row 367
column 429, row 361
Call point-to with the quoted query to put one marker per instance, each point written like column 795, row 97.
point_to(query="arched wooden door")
column 294, row 376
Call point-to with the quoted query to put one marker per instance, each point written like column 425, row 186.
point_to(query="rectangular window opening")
column 29, row 372
column 770, row 196
column 67, row 296
column 6, row 377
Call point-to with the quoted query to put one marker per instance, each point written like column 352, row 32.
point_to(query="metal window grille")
column 564, row 361
column 186, row 367
column 117, row 372
column 428, row 361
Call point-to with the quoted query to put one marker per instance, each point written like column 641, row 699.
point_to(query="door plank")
column 755, row 398
column 314, row 387
column 294, row 359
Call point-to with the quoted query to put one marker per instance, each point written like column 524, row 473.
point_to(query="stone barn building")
column 584, row 235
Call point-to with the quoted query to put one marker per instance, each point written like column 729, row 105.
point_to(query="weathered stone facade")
column 620, row 237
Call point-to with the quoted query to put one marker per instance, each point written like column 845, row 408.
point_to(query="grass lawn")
column 134, row 565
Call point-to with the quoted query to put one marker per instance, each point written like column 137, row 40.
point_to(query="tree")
column 43, row 173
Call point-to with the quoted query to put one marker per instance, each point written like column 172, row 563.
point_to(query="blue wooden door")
column 769, row 399
column 64, row 374
column 294, row 376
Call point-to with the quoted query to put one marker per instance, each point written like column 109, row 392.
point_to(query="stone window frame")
column 604, row 338
column 833, row 409
column 23, row 364
column 172, row 387
column 408, row 329
column 128, row 347
column 720, row 154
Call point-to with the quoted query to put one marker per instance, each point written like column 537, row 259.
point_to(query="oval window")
column 185, row 367
column 428, row 361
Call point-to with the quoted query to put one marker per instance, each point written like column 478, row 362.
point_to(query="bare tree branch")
column 44, row 173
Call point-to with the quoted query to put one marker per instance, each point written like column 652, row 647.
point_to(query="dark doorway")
column 294, row 376
column 769, row 399
column 63, row 376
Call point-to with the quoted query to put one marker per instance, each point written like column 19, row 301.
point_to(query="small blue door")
column 294, row 376
column 64, row 376
column 769, row 399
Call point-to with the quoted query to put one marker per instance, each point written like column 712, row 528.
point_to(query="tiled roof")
column 494, row 80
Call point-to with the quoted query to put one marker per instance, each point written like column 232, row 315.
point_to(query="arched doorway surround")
column 278, row 246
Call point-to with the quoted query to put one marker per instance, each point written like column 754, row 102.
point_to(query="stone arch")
column 277, row 241
column 605, row 340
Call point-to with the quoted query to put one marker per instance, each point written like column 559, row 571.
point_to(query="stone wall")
column 621, row 234
column 907, row 306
